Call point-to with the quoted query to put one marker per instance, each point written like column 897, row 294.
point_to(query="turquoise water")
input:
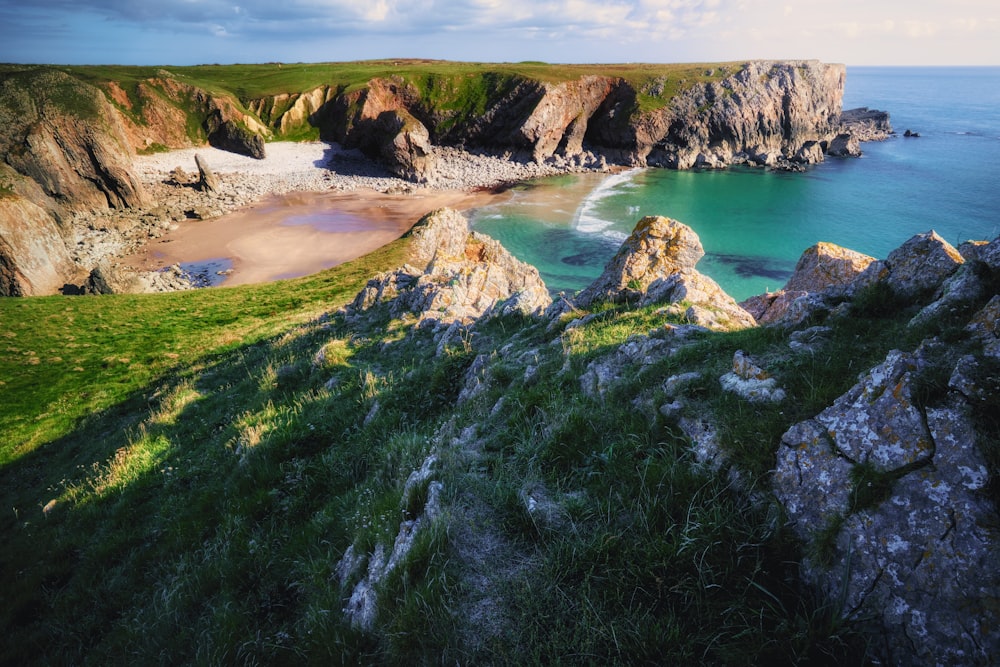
column 755, row 224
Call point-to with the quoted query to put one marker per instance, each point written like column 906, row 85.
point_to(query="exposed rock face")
column 406, row 145
column 561, row 117
column 845, row 145
column 466, row 277
column 888, row 487
column 207, row 180
column 825, row 271
column 230, row 136
column 824, row 268
column 656, row 265
column 766, row 107
column 918, row 266
column 866, row 124
column 826, row 265
column 33, row 256
column 657, row 248
column 79, row 156
column 900, row 485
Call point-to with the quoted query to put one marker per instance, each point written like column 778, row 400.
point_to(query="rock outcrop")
column 866, row 124
column 888, row 495
column 824, row 268
column 33, row 256
column 464, row 277
column 656, row 265
column 68, row 140
column 888, row 487
column 916, row 267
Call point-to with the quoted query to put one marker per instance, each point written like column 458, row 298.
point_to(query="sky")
column 188, row 32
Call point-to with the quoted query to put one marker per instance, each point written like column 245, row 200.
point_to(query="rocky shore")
column 179, row 197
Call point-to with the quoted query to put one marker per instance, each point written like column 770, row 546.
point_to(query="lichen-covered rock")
column 918, row 561
column 465, row 276
column 656, row 265
column 823, row 270
column 657, row 249
column 918, row 266
column 826, row 265
column 985, row 325
column 750, row 381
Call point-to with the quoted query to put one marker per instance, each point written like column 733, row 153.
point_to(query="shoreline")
column 293, row 234
column 242, row 222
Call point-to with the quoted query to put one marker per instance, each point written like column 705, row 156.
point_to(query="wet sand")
column 296, row 234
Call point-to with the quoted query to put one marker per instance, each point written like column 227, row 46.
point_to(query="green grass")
column 187, row 496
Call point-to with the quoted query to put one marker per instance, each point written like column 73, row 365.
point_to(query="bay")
column 754, row 223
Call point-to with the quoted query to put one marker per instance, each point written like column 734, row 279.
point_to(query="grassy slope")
column 202, row 501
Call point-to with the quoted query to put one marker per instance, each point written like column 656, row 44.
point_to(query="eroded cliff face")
column 69, row 143
column 761, row 112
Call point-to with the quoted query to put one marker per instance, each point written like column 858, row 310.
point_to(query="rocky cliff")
column 67, row 137
column 761, row 112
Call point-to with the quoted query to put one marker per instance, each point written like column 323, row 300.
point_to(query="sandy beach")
column 290, row 235
column 305, row 207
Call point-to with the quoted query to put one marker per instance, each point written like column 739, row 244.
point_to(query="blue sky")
column 186, row 32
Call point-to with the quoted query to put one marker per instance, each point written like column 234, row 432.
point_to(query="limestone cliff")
column 759, row 112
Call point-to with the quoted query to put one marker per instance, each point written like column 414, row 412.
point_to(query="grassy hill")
column 184, row 473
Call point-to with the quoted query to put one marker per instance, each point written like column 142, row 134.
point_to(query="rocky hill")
column 891, row 487
column 454, row 466
column 68, row 135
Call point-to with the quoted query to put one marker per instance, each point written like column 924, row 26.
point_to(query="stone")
column 750, row 381
column 919, row 567
column 918, row 266
column 657, row 249
column 466, row 276
column 824, row 266
column 207, row 180
column 877, row 422
column 34, row 260
column 656, row 265
column 844, row 145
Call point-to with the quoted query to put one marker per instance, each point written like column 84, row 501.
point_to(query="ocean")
column 754, row 224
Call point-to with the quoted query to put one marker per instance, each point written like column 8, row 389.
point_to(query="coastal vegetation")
column 186, row 471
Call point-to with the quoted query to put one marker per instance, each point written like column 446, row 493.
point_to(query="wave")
column 586, row 218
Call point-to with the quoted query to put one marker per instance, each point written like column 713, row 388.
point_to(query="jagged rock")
column 917, row 563
column 207, row 180
column 823, row 269
column 406, row 145
column 962, row 287
column 79, row 156
column 918, row 266
column 826, row 265
column 867, row 124
column 985, row 325
column 657, row 249
column 844, row 145
column 108, row 278
column 466, row 276
column 228, row 135
column 656, row 265
column 362, row 607
column 811, row 152
column 751, row 382
column 33, row 255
